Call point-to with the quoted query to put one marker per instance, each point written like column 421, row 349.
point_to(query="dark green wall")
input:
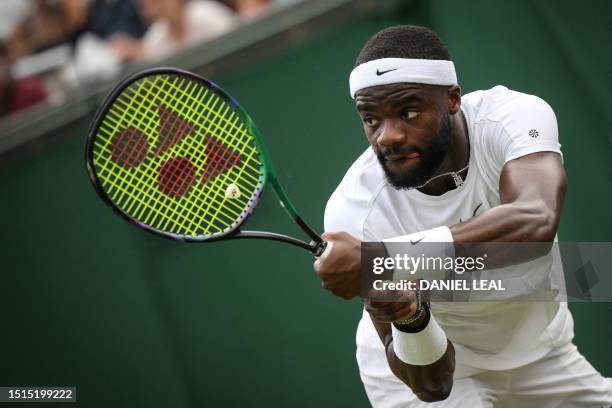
column 132, row 320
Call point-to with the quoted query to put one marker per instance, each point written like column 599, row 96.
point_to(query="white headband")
column 386, row 71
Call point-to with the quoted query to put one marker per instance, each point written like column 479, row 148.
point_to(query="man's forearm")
column 512, row 222
column 530, row 223
column 432, row 382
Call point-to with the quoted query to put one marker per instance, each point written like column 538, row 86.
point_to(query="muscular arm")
column 431, row 382
column 532, row 190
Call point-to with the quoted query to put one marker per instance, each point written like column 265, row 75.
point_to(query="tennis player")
column 442, row 167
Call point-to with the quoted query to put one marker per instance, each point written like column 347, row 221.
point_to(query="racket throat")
column 312, row 247
column 316, row 239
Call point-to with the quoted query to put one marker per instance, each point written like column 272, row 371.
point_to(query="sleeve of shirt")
column 349, row 205
column 342, row 214
column 530, row 126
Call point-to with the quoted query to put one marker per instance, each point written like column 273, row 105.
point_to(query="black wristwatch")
column 407, row 326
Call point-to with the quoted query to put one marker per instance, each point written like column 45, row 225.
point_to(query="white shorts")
column 563, row 378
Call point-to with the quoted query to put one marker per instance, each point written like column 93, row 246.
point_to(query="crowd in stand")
column 47, row 46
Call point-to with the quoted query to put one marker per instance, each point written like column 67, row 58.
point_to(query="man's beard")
column 430, row 160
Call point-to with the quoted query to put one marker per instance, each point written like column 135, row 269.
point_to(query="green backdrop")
column 87, row 300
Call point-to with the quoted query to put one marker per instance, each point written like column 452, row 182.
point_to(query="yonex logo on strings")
column 177, row 175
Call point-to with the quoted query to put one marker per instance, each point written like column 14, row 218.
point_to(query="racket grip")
column 323, row 250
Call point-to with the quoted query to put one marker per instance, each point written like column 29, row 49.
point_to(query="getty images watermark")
column 489, row 271
column 410, row 265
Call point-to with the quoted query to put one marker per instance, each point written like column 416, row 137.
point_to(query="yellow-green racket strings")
column 174, row 155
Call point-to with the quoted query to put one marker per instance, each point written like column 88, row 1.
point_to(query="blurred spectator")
column 13, row 12
column 108, row 18
column 50, row 23
column 112, row 26
column 248, row 8
column 175, row 24
column 17, row 94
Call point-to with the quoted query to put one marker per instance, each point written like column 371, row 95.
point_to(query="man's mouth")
column 404, row 156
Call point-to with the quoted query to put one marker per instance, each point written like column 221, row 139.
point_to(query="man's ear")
column 454, row 98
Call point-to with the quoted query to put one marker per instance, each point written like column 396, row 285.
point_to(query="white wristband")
column 413, row 245
column 439, row 234
column 422, row 348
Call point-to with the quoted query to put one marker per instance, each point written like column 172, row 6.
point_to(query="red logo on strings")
column 176, row 176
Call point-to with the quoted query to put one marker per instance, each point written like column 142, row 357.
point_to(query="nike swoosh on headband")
column 379, row 72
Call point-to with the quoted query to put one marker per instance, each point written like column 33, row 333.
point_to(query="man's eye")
column 410, row 114
column 370, row 121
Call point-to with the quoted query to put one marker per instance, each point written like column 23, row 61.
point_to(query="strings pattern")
column 166, row 152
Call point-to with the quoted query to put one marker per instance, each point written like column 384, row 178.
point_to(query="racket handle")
column 323, row 250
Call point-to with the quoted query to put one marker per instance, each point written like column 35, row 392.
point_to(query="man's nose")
column 391, row 133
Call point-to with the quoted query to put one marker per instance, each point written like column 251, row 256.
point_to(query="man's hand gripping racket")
column 174, row 154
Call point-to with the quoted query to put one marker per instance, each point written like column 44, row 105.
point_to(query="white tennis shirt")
column 502, row 125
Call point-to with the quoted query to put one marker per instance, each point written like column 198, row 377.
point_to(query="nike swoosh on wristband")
column 379, row 72
column 417, row 241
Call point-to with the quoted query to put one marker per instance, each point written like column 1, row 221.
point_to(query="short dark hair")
column 404, row 41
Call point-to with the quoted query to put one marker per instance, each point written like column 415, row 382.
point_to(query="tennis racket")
column 174, row 154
